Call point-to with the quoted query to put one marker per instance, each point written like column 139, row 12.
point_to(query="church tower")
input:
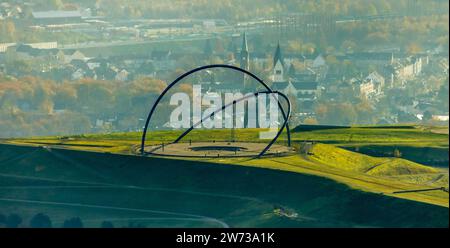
column 244, row 59
column 278, row 65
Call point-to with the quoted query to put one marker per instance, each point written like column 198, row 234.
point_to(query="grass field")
column 410, row 135
column 382, row 174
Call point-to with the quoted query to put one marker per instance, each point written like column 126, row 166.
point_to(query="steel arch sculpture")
column 269, row 90
column 234, row 103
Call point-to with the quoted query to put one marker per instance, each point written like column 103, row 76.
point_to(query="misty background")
column 71, row 67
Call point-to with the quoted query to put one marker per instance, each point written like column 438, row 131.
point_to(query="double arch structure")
column 267, row 91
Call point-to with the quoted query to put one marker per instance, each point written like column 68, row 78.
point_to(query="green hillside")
column 378, row 173
column 148, row 192
column 351, row 161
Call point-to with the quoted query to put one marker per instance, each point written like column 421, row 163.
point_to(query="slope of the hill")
column 145, row 191
column 352, row 161
column 378, row 173
column 421, row 144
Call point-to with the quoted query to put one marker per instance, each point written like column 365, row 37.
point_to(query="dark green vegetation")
column 138, row 191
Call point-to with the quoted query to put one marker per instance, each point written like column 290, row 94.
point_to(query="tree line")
column 41, row 220
column 35, row 106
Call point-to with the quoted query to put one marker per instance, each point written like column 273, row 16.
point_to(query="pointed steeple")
column 278, row 56
column 244, row 59
column 244, row 43
column 278, row 65
column 244, row 56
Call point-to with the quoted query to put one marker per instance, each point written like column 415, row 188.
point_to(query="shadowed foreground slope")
column 130, row 190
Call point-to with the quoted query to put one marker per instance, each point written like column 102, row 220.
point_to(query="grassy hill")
column 421, row 144
column 351, row 161
column 147, row 191
column 382, row 173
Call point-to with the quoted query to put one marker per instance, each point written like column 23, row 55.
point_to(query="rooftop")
column 305, row 85
column 56, row 14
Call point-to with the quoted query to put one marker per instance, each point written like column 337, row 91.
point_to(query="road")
column 131, row 42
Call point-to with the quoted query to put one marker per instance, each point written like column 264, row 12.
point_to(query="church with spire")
column 278, row 66
column 244, row 60
column 284, row 78
column 303, row 87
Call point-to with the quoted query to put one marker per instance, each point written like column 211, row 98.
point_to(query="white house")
column 367, row 88
column 72, row 55
column 318, row 62
column 377, row 80
column 78, row 74
column 122, row 75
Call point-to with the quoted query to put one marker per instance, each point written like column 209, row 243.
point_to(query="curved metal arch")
column 144, row 133
column 234, row 103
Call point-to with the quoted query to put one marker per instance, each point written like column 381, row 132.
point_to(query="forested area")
column 237, row 10
column 31, row 105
